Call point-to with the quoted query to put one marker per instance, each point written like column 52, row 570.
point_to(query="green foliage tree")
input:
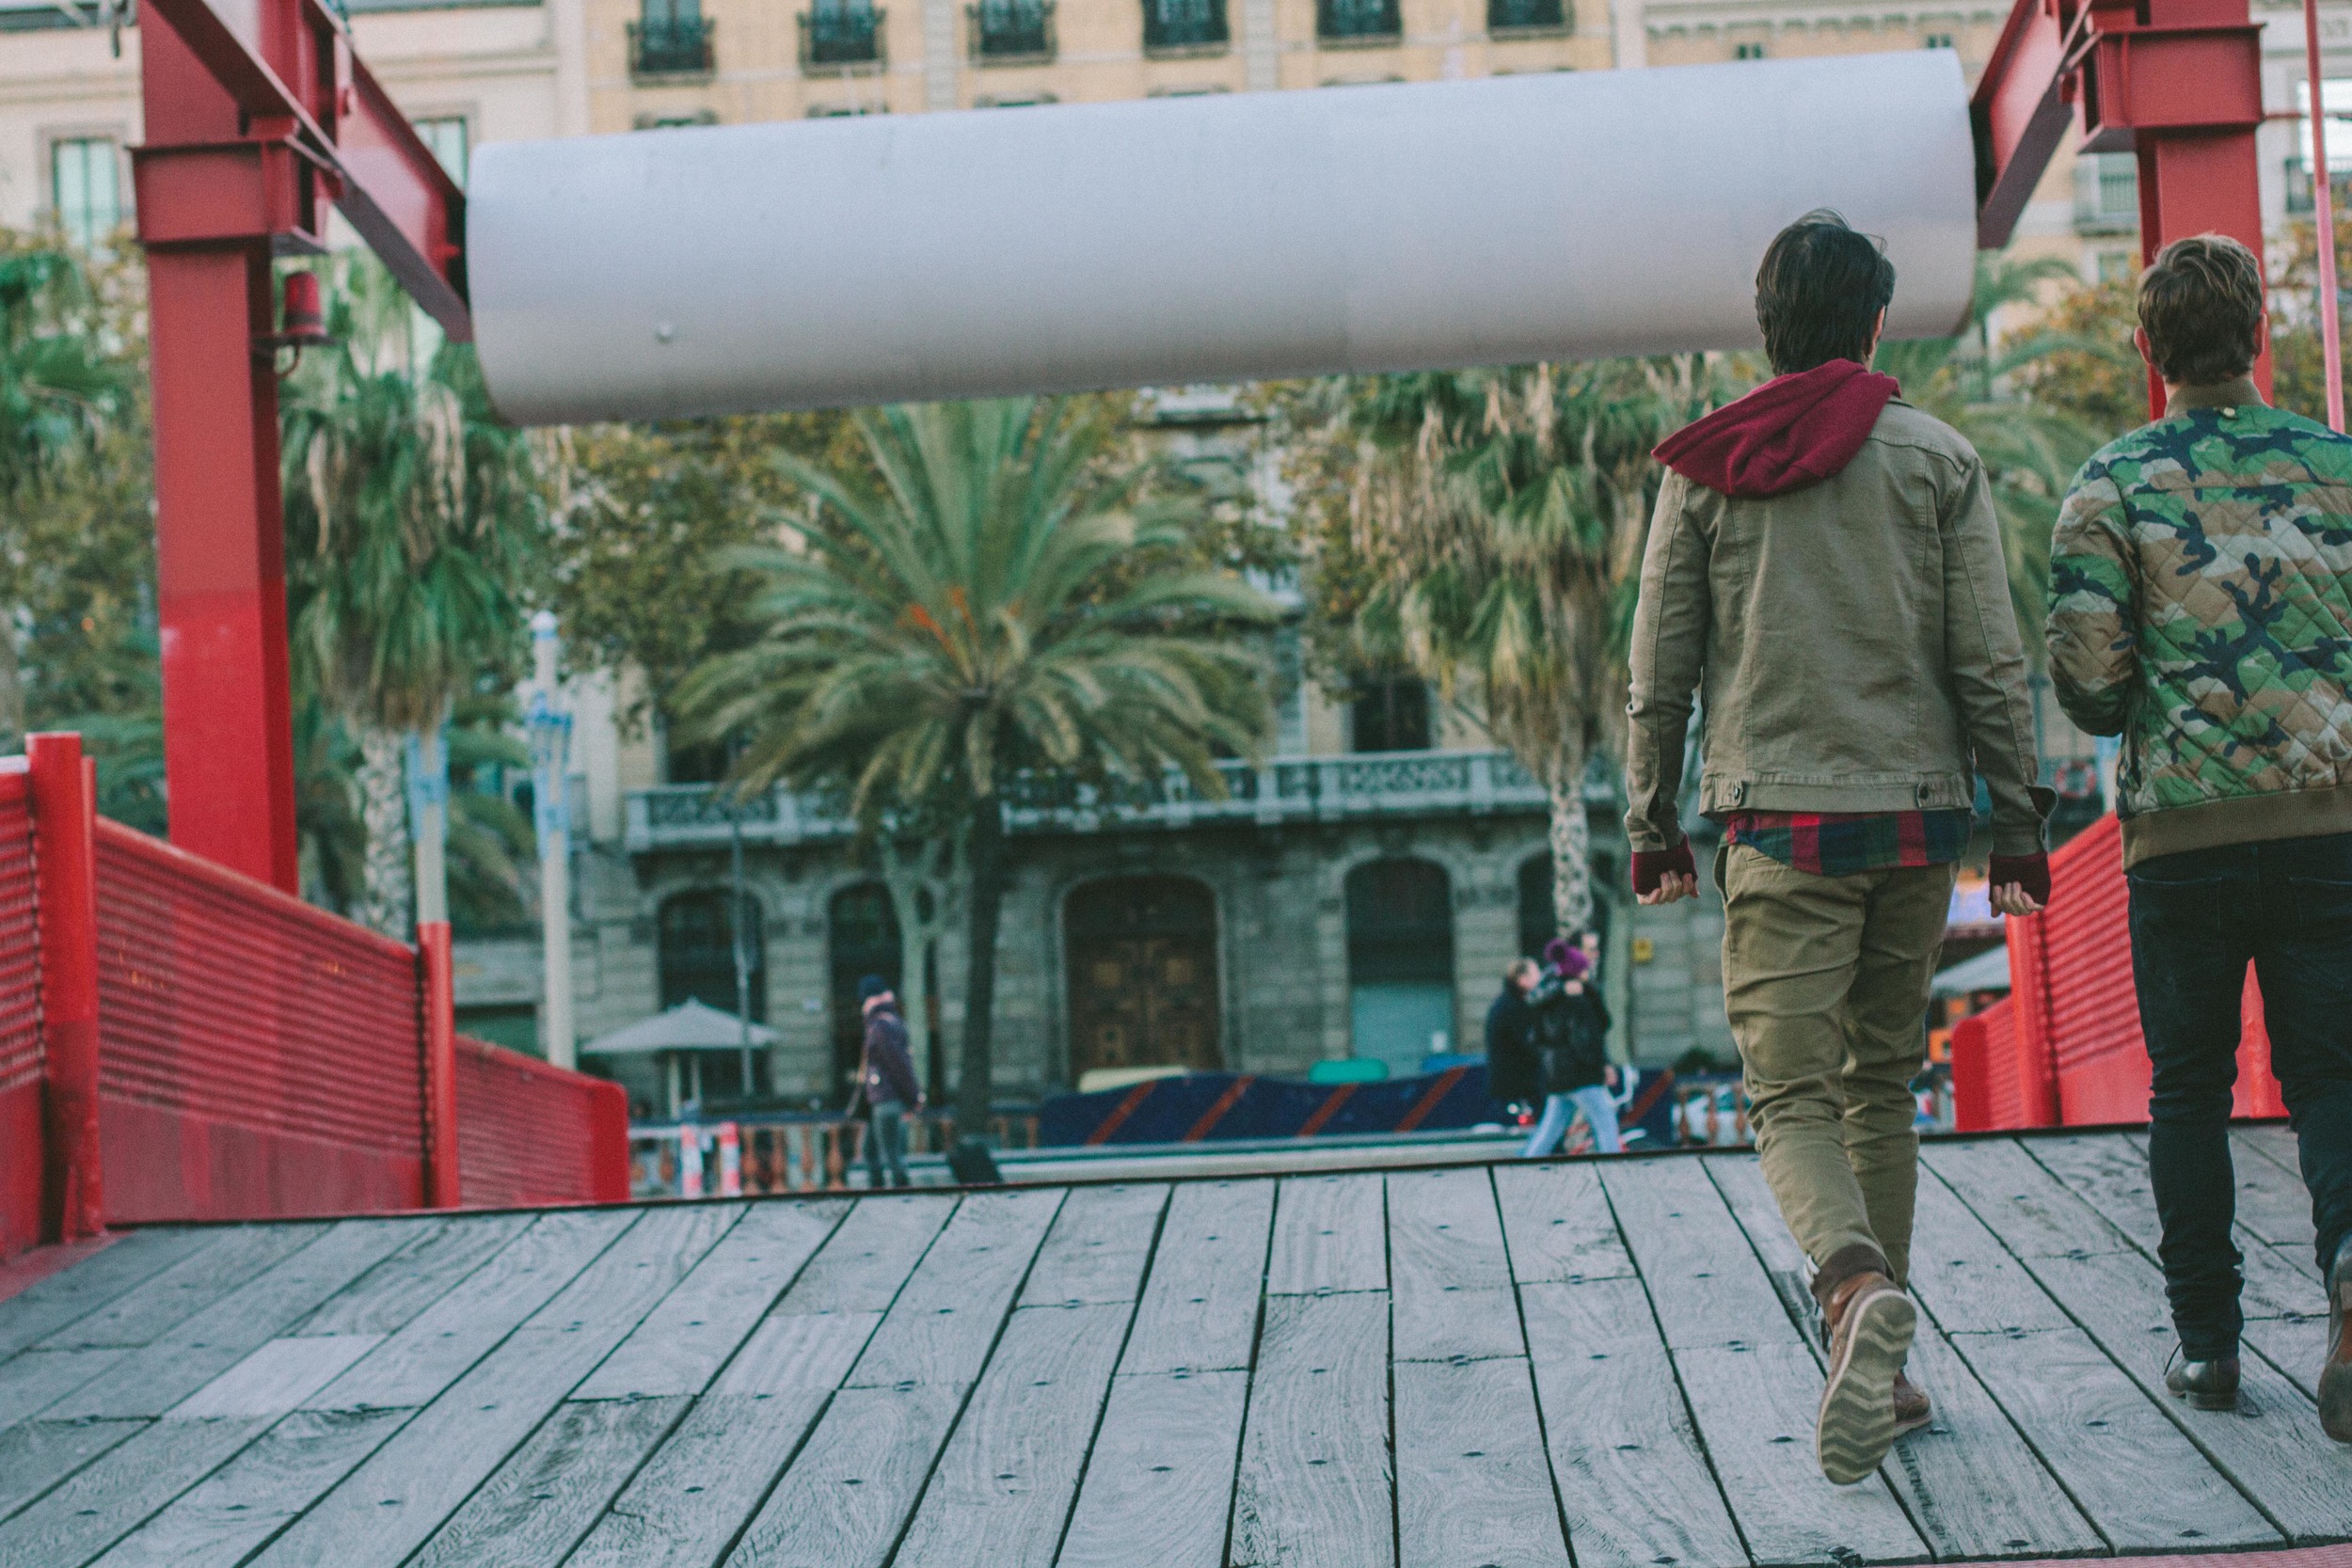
column 999, row 589
column 1485, row 529
column 414, row 524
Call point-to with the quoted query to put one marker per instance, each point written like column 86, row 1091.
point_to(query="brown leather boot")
column 1912, row 1408
column 1871, row 1322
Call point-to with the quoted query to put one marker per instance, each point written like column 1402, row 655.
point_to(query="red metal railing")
column 2066, row 1050
column 180, row 1041
column 21, row 1057
column 528, row 1133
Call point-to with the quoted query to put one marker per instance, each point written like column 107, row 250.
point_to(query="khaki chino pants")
column 1826, row 981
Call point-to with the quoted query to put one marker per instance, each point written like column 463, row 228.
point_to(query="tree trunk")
column 12, row 693
column 986, row 860
column 908, row 878
column 428, row 822
column 1571, row 848
column 385, row 893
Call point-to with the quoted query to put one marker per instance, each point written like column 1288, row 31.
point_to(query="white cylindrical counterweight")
column 1168, row 240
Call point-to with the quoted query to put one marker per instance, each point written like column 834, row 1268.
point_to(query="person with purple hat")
column 1572, row 1036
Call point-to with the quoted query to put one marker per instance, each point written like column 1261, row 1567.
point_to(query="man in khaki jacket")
column 1824, row 568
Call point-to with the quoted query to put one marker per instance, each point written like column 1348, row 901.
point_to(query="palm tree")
column 1002, row 593
column 1502, row 516
column 412, row 520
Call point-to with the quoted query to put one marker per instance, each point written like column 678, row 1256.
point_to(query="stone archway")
column 1400, row 961
column 1142, row 974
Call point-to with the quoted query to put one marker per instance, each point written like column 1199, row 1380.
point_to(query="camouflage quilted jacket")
column 2200, row 607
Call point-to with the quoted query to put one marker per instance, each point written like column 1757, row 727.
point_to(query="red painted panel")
column 258, row 1056
column 19, row 1025
column 1988, row 1089
column 529, row 1132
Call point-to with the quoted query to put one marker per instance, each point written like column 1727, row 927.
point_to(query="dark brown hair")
column 1820, row 291
column 2202, row 307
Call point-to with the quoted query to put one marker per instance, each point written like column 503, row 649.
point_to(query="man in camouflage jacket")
column 2200, row 589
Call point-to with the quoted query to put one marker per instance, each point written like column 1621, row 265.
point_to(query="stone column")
column 939, row 54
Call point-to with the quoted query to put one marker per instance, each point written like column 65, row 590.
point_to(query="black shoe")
column 2206, row 1384
column 2335, row 1373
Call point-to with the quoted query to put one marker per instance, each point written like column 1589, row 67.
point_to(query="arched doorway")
column 1400, row 961
column 1142, row 974
column 861, row 938
column 1536, row 923
column 695, row 955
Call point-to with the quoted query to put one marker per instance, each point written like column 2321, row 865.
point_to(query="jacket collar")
column 2237, row 393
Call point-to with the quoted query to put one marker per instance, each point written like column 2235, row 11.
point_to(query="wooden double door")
column 1142, row 974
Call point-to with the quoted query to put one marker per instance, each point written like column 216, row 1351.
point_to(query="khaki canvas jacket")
column 1852, row 643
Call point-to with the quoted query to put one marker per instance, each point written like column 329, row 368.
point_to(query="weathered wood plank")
column 2276, row 1142
column 1316, row 1489
column 1973, row 1487
column 2035, row 1215
column 1450, row 1274
column 439, row 1255
column 1558, row 1222
column 2295, row 1347
column 1755, row 1406
column 1330, row 1233
column 2273, row 1203
column 1199, row 1306
column 434, row 1349
column 1704, row 1280
column 386, row 1508
column 684, row 1342
column 231, row 1256
column 843, row 1501
column 2110, row 1172
column 1472, row 1484
column 1098, row 1246
column 1740, row 1179
column 223, row 1518
column 36, row 1456
column 1161, row 1471
column 2266, row 1444
column 694, row 1494
column 2138, row 1477
column 870, row 1255
column 46, row 1307
column 536, row 1506
column 946, row 1317
column 106, row 1499
column 153, row 1379
column 1625, row 1456
column 1962, row 1273
column 1012, row 1468
column 37, row 1379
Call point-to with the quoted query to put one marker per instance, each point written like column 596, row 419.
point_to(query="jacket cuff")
column 1651, row 865
column 2030, row 872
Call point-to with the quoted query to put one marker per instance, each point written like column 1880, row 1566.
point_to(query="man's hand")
column 2019, row 884
column 1662, row 876
column 2013, row 899
column 1672, row 886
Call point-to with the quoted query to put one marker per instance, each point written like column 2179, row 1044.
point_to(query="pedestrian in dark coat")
column 886, row 1081
column 1513, row 1073
column 1572, row 1033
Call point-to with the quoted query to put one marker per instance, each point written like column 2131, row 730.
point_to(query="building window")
column 840, row 38
column 1938, row 41
column 695, row 953
column 1183, row 26
column 1141, row 974
column 675, row 122
column 1526, row 16
column 1012, row 32
column 844, row 110
column 85, row 189
column 2106, row 193
column 1400, row 961
column 670, row 38
column 1358, row 21
column 1747, row 51
column 446, row 135
column 1391, row 716
column 1538, row 923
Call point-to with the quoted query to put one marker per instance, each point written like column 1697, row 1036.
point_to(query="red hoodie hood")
column 1794, row 429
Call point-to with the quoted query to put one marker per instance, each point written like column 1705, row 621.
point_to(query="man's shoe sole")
column 2335, row 1374
column 1857, row 1424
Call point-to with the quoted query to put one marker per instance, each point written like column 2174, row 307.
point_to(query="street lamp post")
column 551, row 818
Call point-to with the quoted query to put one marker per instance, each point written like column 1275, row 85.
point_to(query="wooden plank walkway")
column 1583, row 1364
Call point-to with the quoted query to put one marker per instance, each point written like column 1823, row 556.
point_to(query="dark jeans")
column 886, row 1141
column 2198, row 919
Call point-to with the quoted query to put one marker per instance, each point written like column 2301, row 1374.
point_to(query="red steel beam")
column 65, row 860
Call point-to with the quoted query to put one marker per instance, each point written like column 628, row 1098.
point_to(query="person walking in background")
column 2200, row 607
column 1513, row 1073
column 1572, row 1039
column 885, row 1076
column 1825, row 563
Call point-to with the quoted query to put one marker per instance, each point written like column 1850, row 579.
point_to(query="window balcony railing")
column 1281, row 789
column 1347, row 21
column 2300, row 197
column 1185, row 26
column 1505, row 18
column 670, row 46
column 2107, row 194
column 839, row 39
column 1012, row 32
